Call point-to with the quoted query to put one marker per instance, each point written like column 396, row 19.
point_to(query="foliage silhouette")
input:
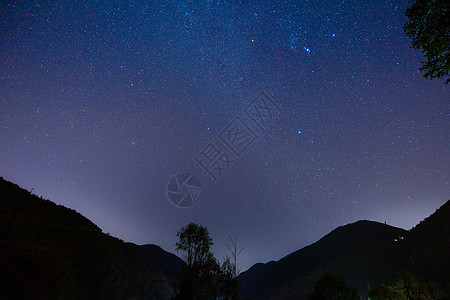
column 198, row 277
column 203, row 277
column 386, row 292
column 332, row 287
column 428, row 26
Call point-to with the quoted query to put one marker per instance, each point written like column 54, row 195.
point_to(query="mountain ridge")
column 50, row 251
column 311, row 258
column 366, row 254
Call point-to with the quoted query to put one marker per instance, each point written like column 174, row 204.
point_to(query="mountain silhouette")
column 48, row 251
column 365, row 253
column 427, row 254
column 166, row 261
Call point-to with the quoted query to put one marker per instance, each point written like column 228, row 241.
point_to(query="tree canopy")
column 428, row 26
column 386, row 292
column 194, row 240
column 203, row 277
column 332, row 287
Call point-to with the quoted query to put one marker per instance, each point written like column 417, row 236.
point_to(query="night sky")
column 102, row 103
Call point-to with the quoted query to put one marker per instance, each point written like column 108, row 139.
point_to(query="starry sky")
column 102, row 103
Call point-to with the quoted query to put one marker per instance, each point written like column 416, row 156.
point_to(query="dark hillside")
column 361, row 252
column 49, row 251
column 166, row 261
column 366, row 254
column 428, row 250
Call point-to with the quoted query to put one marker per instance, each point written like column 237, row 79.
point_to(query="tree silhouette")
column 428, row 26
column 332, row 287
column 234, row 251
column 194, row 240
column 229, row 284
column 386, row 292
column 198, row 278
column 203, row 277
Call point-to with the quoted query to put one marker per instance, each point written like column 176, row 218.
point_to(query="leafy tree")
column 428, row 26
column 385, row 292
column 420, row 288
column 194, row 240
column 198, row 278
column 203, row 277
column 332, row 287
